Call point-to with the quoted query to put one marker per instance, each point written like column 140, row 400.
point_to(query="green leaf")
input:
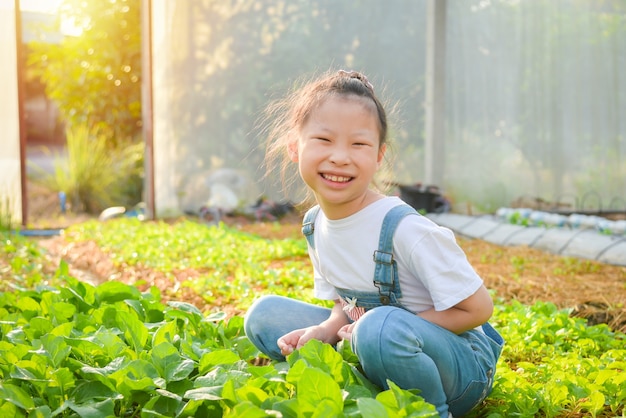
column 595, row 402
column 137, row 306
column 11, row 353
column 20, row 373
column 404, row 402
column 134, row 330
column 316, row 386
column 62, row 311
column 252, row 394
column 357, row 391
column 250, row 410
column 81, row 292
column 113, row 291
column 185, row 307
column 371, row 408
column 86, row 348
column 220, row 376
column 56, row 349
column 165, row 332
column 171, row 366
column 91, row 409
column 323, row 356
column 32, row 370
column 16, row 395
column 217, row 357
column 113, row 345
column 42, row 411
column 103, row 374
column 162, row 406
column 38, row 326
column 202, row 408
column 29, row 307
column 206, row 393
column 93, row 390
column 327, row 408
column 62, row 378
column 137, row 376
column 8, row 409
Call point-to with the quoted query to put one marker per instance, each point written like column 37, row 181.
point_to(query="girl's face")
column 338, row 152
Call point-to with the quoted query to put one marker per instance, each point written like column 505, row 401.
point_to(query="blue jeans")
column 453, row 372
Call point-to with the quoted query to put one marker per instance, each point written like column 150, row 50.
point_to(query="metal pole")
column 434, row 142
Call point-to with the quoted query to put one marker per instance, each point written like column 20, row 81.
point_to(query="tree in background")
column 95, row 76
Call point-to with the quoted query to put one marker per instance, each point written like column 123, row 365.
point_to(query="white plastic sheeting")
column 10, row 169
column 587, row 243
column 519, row 121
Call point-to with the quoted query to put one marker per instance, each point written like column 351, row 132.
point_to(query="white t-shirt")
column 432, row 268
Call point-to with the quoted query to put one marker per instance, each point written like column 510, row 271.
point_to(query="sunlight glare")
column 49, row 6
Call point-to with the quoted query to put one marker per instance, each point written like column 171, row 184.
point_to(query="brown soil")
column 592, row 290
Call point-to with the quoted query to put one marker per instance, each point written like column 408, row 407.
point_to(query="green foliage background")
column 95, row 77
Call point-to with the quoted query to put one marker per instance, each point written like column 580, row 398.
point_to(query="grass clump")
column 93, row 175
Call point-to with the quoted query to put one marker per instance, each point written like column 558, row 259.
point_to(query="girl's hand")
column 297, row 338
column 326, row 332
column 289, row 342
column 345, row 332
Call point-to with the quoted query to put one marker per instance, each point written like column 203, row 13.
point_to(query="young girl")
column 405, row 296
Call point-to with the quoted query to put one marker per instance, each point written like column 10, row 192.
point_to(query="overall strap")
column 308, row 224
column 386, row 274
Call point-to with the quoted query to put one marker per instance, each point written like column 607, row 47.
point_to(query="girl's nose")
column 340, row 155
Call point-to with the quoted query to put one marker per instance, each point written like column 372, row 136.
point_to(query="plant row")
column 69, row 348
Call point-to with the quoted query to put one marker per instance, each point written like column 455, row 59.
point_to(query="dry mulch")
column 592, row 290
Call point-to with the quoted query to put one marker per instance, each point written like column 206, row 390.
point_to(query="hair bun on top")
column 359, row 76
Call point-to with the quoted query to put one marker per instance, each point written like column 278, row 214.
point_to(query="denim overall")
column 386, row 273
column 388, row 294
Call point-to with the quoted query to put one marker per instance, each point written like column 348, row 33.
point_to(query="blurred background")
column 531, row 94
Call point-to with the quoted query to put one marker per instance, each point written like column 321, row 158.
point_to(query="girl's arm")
column 335, row 321
column 465, row 315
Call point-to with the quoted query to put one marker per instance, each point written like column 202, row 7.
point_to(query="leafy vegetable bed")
column 163, row 336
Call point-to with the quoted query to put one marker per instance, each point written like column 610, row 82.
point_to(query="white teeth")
column 337, row 179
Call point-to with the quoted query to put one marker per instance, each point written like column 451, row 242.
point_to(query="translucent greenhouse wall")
column 10, row 172
column 534, row 105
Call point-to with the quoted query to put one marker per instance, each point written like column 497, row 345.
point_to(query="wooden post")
column 147, row 106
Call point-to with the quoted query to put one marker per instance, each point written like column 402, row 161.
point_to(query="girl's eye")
column 322, row 139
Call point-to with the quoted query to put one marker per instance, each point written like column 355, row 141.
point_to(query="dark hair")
column 284, row 118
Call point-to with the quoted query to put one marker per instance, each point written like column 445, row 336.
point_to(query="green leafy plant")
column 22, row 263
column 111, row 350
column 229, row 275
column 69, row 348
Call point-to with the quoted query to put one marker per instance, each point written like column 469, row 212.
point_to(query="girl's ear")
column 292, row 151
column 381, row 154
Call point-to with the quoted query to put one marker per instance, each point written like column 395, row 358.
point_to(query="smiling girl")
column 414, row 310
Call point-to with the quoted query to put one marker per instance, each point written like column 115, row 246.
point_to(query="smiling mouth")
column 336, row 179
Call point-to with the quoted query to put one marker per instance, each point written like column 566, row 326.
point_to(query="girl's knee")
column 256, row 315
column 388, row 327
column 370, row 330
